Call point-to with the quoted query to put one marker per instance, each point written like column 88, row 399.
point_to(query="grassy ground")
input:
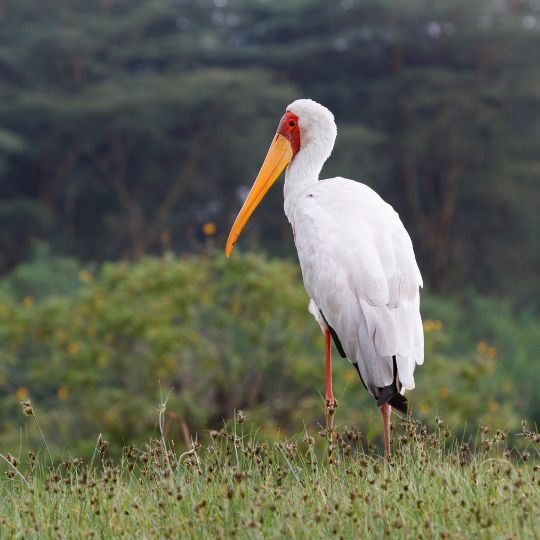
column 237, row 487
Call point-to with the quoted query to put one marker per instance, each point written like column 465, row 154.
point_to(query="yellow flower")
column 22, row 392
column 85, row 276
column 444, row 392
column 209, row 228
column 486, row 349
column 506, row 385
column 28, row 301
column 493, row 406
column 482, row 347
column 73, row 347
column 430, row 324
column 61, row 334
column 62, row 393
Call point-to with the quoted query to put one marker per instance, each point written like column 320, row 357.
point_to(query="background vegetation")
column 129, row 132
column 224, row 337
column 128, row 124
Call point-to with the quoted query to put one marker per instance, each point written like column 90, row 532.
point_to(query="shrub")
column 217, row 334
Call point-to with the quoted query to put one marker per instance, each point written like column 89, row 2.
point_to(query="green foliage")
column 43, row 275
column 220, row 333
column 506, row 342
column 238, row 486
column 216, row 335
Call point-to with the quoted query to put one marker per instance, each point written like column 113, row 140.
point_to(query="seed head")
column 27, row 408
column 12, row 459
column 308, row 439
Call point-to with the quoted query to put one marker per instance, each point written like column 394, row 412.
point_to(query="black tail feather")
column 397, row 401
column 389, row 394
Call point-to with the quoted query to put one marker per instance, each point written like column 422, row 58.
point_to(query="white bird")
column 356, row 257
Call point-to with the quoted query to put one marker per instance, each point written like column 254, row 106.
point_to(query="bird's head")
column 315, row 125
column 307, row 127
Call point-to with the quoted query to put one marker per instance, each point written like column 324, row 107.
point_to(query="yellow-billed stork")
column 356, row 257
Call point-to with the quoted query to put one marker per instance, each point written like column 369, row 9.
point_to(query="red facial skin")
column 288, row 127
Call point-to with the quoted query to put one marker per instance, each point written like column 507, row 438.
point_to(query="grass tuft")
column 437, row 486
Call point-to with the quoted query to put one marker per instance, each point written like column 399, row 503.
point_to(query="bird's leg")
column 386, row 411
column 331, row 403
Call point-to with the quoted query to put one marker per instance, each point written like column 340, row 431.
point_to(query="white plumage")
column 357, row 259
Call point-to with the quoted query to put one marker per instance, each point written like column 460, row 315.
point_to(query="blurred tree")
column 128, row 124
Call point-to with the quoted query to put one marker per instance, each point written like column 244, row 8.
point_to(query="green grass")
column 235, row 486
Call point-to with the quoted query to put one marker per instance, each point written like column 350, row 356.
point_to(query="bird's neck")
column 302, row 172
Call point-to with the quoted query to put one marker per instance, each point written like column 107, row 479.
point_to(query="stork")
column 357, row 260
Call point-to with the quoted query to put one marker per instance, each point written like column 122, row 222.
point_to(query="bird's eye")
column 292, row 123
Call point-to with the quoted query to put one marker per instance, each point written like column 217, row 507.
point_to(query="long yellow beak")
column 279, row 155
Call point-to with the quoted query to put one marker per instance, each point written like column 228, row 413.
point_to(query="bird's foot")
column 331, row 406
column 329, row 412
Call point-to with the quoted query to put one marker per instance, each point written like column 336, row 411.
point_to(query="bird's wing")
column 359, row 267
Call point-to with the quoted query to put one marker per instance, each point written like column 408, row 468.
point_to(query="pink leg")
column 331, row 403
column 329, row 393
column 386, row 411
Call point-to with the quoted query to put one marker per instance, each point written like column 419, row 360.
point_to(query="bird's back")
column 359, row 267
